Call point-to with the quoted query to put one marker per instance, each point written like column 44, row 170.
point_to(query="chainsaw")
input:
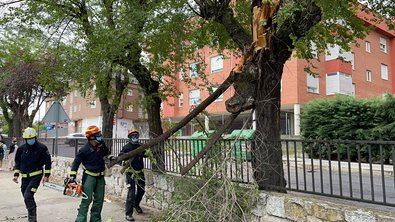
column 71, row 188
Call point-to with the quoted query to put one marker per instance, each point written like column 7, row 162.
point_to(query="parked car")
column 73, row 137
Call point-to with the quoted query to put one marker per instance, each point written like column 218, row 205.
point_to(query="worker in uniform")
column 135, row 180
column 91, row 156
column 33, row 163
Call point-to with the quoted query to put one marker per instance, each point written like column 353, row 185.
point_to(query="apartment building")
column 85, row 110
column 364, row 72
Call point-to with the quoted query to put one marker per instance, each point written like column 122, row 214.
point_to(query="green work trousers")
column 93, row 187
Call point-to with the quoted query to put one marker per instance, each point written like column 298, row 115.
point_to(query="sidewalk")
column 52, row 205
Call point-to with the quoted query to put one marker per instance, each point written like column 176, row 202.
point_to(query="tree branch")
column 221, row 89
column 223, row 14
column 230, row 119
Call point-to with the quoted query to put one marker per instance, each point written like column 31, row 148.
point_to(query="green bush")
column 347, row 118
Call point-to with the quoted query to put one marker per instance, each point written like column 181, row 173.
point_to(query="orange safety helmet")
column 132, row 130
column 92, row 130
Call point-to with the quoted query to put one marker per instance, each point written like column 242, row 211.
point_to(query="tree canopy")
column 28, row 76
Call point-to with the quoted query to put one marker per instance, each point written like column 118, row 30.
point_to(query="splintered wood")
column 262, row 17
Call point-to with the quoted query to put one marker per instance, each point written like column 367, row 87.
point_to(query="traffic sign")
column 56, row 114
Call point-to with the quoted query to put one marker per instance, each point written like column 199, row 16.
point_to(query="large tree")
column 113, row 40
column 267, row 32
column 28, row 76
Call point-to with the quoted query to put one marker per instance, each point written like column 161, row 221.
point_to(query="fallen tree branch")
column 210, row 143
column 221, row 89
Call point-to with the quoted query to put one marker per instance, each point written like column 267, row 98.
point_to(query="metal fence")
column 357, row 170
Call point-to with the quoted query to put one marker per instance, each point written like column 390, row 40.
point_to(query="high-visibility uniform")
column 93, row 182
column 32, row 162
column 135, row 182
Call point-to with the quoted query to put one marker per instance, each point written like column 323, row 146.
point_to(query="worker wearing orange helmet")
column 91, row 155
column 135, row 179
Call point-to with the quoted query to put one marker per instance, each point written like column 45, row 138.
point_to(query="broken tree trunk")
column 221, row 89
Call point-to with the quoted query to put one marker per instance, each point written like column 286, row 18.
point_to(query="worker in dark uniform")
column 135, row 179
column 32, row 162
column 91, row 155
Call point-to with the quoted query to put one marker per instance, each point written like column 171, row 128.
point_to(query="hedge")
column 347, row 118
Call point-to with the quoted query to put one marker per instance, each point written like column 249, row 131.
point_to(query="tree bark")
column 108, row 118
column 155, row 130
column 267, row 153
column 17, row 124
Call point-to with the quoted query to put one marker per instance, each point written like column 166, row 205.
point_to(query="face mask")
column 31, row 141
column 99, row 139
column 134, row 138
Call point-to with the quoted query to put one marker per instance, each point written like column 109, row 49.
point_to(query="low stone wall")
column 270, row 207
column 158, row 187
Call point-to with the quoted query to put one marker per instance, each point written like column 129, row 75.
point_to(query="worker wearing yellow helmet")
column 135, row 179
column 33, row 163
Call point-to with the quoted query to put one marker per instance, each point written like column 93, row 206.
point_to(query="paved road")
column 52, row 205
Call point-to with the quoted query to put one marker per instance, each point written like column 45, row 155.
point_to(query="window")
column 181, row 100
column 194, row 97
column 129, row 108
column 92, row 104
column 217, row 64
column 221, row 97
column 340, row 83
column 313, row 83
column 383, row 44
column 181, row 73
column 75, row 108
column 367, row 47
column 368, row 75
column 194, row 68
column 336, row 52
column 75, row 93
column 314, row 51
column 384, row 71
column 130, row 92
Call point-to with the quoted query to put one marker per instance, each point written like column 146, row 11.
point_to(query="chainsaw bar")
column 54, row 186
column 62, row 189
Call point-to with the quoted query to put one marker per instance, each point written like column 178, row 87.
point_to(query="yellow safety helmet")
column 29, row 133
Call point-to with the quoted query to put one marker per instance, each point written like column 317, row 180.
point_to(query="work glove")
column 71, row 178
column 109, row 159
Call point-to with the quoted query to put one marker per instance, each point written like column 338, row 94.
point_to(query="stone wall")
column 270, row 207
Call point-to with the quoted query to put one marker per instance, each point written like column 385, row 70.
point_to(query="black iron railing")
column 357, row 170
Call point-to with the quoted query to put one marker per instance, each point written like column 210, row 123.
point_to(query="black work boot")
column 129, row 218
column 32, row 215
column 138, row 209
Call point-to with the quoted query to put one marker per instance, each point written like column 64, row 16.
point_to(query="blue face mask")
column 99, row 139
column 134, row 138
column 31, row 141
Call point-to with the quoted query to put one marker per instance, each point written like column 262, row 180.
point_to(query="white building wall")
column 121, row 128
column 97, row 121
